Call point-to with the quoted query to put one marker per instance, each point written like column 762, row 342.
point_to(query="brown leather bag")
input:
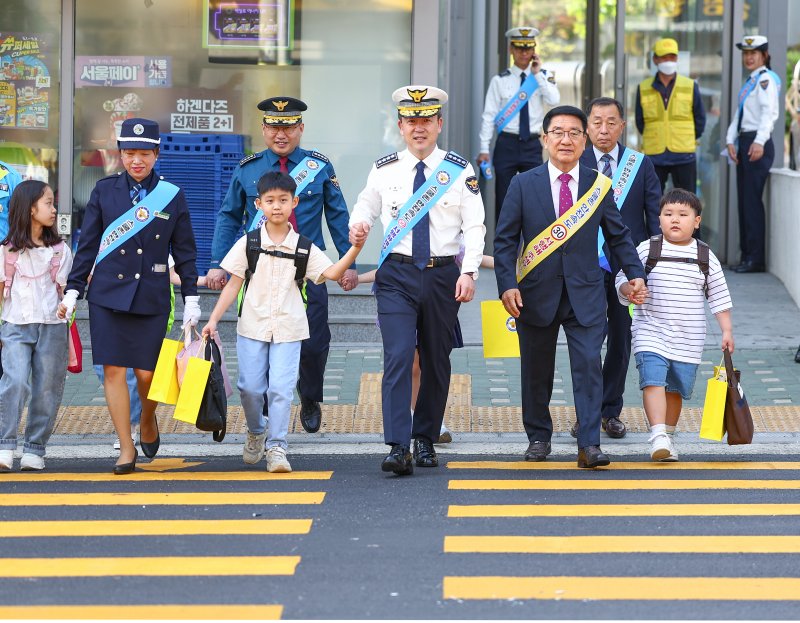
column 738, row 419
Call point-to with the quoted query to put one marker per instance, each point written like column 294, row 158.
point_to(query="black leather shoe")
column 749, row 267
column 574, row 430
column 537, row 451
column 310, row 414
column 592, row 456
column 614, row 427
column 150, row 449
column 398, row 461
column 797, row 355
column 424, row 454
column 127, row 468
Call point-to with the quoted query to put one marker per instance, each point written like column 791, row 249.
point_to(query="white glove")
column 69, row 301
column 191, row 311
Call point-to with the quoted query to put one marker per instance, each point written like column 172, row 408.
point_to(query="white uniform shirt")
column 555, row 185
column 614, row 153
column 501, row 89
column 273, row 309
column 459, row 210
column 34, row 297
column 760, row 111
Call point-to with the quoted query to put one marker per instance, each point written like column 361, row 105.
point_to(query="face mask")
column 668, row 67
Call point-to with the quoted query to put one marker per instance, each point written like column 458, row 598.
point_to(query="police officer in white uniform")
column 751, row 148
column 419, row 285
column 517, row 148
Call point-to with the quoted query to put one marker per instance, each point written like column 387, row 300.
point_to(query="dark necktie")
column 565, row 196
column 606, row 170
column 421, row 235
column 524, row 119
column 284, row 169
column 137, row 193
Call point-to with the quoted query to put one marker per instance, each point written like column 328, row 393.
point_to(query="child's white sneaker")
column 6, row 460
column 673, row 452
column 31, row 462
column 277, row 463
column 660, row 446
column 254, row 447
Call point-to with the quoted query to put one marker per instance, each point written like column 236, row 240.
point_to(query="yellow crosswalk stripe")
column 206, row 612
column 256, row 476
column 168, row 527
column 622, row 510
column 149, row 566
column 609, row 485
column 548, row 465
column 618, row 588
column 601, row 544
column 171, row 499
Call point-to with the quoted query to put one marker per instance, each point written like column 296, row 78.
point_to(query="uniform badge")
column 443, row 177
column 393, row 210
column 335, row 182
column 142, row 214
column 522, row 95
column 4, row 187
column 764, row 84
column 313, row 165
column 551, row 78
column 472, row 184
column 138, row 129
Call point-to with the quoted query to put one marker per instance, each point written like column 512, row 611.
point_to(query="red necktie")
column 284, row 169
column 565, row 196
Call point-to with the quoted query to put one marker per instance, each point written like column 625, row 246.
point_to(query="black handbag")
column 213, row 414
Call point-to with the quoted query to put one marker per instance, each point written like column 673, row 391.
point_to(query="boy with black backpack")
column 669, row 320
column 272, row 262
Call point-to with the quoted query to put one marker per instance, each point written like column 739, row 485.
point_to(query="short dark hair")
column 604, row 101
column 275, row 180
column 682, row 197
column 24, row 197
column 572, row 111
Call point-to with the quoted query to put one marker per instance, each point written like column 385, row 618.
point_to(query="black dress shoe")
column 310, row 414
column 424, row 454
column 592, row 456
column 150, row 449
column 797, row 355
column 749, row 267
column 574, row 430
column 537, row 451
column 398, row 461
column 127, row 468
column 614, row 427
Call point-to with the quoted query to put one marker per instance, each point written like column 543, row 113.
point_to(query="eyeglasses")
column 558, row 135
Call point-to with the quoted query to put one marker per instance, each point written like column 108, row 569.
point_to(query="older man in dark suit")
column 557, row 210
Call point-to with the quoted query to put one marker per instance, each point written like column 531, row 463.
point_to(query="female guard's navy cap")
column 139, row 134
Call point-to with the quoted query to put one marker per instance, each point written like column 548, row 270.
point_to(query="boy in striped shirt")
column 669, row 321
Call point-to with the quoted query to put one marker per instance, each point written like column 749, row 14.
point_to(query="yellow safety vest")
column 672, row 128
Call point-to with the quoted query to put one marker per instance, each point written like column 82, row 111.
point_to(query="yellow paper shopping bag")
column 713, row 423
column 164, row 387
column 192, row 389
column 499, row 331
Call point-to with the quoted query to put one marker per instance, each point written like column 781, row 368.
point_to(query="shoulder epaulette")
column 319, row 156
column 505, row 73
column 247, row 159
column 456, row 159
column 386, row 160
column 113, row 176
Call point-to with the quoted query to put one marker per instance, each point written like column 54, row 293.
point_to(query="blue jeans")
column 676, row 377
column 34, row 366
column 257, row 362
column 133, row 390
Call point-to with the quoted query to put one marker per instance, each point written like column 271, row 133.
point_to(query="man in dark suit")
column 639, row 210
column 561, row 206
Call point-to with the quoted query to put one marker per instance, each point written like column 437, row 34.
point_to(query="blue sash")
column 136, row 219
column 627, row 167
column 747, row 89
column 303, row 174
column 516, row 103
column 421, row 201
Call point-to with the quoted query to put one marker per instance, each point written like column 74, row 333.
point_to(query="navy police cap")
column 139, row 133
column 282, row 110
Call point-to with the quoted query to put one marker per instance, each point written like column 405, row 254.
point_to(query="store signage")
column 204, row 115
column 24, row 81
column 123, row 71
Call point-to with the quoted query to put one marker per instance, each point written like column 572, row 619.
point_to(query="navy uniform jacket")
column 528, row 209
column 640, row 210
column 134, row 277
column 323, row 194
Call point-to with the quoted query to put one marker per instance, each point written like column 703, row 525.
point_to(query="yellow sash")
column 563, row 228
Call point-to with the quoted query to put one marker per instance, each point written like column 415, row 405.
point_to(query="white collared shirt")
column 555, row 184
column 502, row 88
column 614, row 153
column 760, row 111
column 459, row 210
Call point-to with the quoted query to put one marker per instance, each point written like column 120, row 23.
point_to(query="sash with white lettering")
column 563, row 228
column 516, row 103
column 136, row 219
column 628, row 166
column 421, row 201
column 303, row 174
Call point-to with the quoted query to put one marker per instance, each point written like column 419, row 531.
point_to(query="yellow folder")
column 499, row 331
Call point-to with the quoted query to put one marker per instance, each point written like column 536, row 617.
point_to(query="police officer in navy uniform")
column 132, row 222
column 419, row 285
column 517, row 148
column 282, row 129
column 750, row 147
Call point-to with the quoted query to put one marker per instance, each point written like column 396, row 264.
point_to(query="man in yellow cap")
column 670, row 118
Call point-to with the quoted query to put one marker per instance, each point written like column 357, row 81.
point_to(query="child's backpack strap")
column 253, row 251
column 654, row 254
column 10, row 266
column 703, row 262
column 301, row 255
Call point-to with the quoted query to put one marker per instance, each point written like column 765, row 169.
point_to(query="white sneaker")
column 254, row 447
column 660, row 446
column 117, row 443
column 31, row 462
column 277, row 463
column 673, row 452
column 6, row 460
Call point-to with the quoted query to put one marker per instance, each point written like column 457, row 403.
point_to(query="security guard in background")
column 751, row 148
column 318, row 191
column 515, row 108
column 670, row 117
column 426, row 199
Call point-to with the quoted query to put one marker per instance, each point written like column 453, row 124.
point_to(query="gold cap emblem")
column 417, row 95
column 279, row 105
column 524, row 31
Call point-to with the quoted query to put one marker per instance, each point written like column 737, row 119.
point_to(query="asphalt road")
column 471, row 540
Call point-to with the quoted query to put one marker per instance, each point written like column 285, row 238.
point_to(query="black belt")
column 442, row 260
column 748, row 133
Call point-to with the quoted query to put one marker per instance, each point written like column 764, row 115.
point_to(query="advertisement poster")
column 24, row 81
column 123, row 71
column 243, row 24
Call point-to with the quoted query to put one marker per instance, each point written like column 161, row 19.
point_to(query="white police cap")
column 522, row 36
column 753, row 42
column 419, row 100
